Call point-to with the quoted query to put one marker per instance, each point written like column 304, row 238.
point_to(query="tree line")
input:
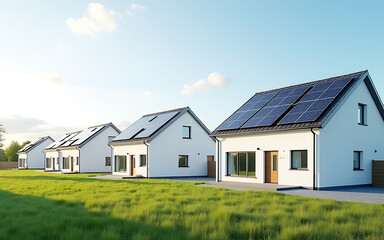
column 10, row 152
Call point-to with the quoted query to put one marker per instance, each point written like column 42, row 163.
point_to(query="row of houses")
column 318, row 134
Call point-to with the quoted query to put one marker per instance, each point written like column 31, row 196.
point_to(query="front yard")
column 35, row 205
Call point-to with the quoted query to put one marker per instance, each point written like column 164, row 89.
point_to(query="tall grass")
column 36, row 205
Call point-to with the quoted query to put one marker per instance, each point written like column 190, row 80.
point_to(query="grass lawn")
column 36, row 205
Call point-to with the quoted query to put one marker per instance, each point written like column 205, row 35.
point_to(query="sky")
column 68, row 65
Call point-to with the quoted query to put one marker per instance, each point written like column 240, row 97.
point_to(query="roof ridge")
column 312, row 82
column 167, row 111
column 104, row 124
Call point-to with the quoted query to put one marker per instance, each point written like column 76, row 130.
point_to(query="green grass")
column 35, row 205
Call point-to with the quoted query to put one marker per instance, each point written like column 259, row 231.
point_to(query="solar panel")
column 145, row 126
column 276, row 107
column 314, row 103
column 246, row 111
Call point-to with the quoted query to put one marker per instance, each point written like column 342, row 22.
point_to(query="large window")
column 49, row 165
column 66, row 163
column 357, row 157
column 299, row 159
column 120, row 163
column 241, row 164
column 143, row 160
column 362, row 114
column 107, row 161
column 186, row 132
column 183, row 160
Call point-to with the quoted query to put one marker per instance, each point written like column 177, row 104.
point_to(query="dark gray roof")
column 80, row 138
column 356, row 77
column 32, row 145
column 151, row 125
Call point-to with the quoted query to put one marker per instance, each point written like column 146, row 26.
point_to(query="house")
column 172, row 143
column 316, row 135
column 82, row 151
column 31, row 156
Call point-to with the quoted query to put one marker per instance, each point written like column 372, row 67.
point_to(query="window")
column 120, row 163
column 183, row 160
column 241, row 164
column 49, row 165
column 186, row 132
column 77, row 160
column 299, row 159
column 357, row 157
column 66, row 163
column 57, row 160
column 107, row 161
column 143, row 160
column 362, row 114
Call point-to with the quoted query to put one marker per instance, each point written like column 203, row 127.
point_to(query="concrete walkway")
column 250, row 186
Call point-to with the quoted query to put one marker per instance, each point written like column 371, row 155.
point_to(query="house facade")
column 316, row 135
column 172, row 143
column 31, row 156
column 82, row 151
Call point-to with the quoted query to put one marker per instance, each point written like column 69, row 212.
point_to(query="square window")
column 107, row 161
column 299, row 159
column 357, row 157
column 143, row 160
column 186, row 132
column 183, row 160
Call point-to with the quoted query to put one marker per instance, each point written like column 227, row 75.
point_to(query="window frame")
column 106, row 162
column 360, row 160
column 187, row 162
column 189, row 131
column 363, row 114
column 291, row 160
column 238, row 164
column 141, row 160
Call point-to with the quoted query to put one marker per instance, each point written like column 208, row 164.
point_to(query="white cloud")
column 147, row 93
column 97, row 19
column 214, row 80
column 136, row 6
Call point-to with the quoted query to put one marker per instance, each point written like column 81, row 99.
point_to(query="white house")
column 173, row 143
column 31, row 156
column 82, row 151
column 316, row 135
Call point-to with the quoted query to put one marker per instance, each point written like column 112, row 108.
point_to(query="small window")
column 362, row 114
column 299, row 159
column 107, row 161
column 77, row 160
column 143, row 160
column 186, row 132
column 357, row 157
column 183, row 160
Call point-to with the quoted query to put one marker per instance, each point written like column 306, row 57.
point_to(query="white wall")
column 71, row 152
column 342, row 135
column 283, row 142
column 22, row 156
column 35, row 157
column 167, row 146
column 93, row 153
column 129, row 150
column 53, row 154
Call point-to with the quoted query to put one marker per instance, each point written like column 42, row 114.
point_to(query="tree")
column 25, row 144
column 11, row 151
column 2, row 131
column 3, row 157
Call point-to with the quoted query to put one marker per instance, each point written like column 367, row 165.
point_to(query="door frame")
column 271, row 167
column 133, row 164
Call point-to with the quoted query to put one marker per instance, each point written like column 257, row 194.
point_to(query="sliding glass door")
column 241, row 164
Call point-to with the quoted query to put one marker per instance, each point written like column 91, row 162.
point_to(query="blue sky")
column 66, row 65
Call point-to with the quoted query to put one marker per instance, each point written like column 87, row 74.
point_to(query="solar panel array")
column 145, row 126
column 31, row 145
column 298, row 104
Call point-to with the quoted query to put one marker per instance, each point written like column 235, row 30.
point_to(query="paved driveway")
column 358, row 194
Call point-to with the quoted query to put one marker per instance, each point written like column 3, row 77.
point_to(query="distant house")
column 317, row 134
column 31, row 156
column 173, row 143
column 82, row 151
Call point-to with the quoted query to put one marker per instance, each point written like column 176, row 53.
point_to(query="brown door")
column 211, row 166
column 133, row 166
column 53, row 163
column 271, row 167
column 72, row 163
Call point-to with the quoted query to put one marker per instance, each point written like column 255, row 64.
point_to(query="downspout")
column 146, row 144
column 112, row 160
column 314, row 159
column 79, row 157
column 218, row 159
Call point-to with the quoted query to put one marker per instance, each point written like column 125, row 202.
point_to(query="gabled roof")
column 80, row 138
column 151, row 125
column 32, row 145
column 350, row 79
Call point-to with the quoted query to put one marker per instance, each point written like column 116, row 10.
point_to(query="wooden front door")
column 133, row 166
column 72, row 163
column 53, row 163
column 211, row 166
column 271, row 167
